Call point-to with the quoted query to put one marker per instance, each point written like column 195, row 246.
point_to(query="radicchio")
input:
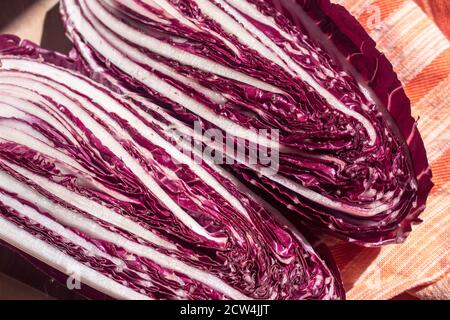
column 92, row 186
column 351, row 158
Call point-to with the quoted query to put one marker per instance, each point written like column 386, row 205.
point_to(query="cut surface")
column 93, row 187
column 350, row 156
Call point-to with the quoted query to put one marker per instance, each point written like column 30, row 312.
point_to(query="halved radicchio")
column 92, row 186
column 351, row 159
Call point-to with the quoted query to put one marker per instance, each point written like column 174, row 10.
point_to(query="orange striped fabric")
column 420, row 53
column 439, row 11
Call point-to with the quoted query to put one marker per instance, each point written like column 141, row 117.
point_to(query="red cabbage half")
column 92, row 186
column 351, row 158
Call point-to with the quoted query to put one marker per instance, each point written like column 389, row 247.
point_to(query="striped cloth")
column 420, row 53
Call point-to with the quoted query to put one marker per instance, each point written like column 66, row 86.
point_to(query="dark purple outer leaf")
column 378, row 72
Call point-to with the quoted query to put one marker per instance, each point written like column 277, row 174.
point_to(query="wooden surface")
column 35, row 20
column 11, row 289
